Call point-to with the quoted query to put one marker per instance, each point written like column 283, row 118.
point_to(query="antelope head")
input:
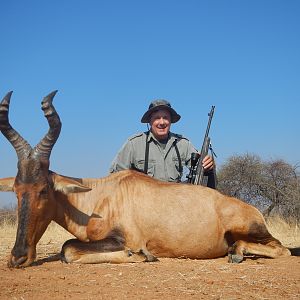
column 33, row 183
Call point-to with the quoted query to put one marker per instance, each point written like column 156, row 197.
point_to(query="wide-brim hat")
column 157, row 105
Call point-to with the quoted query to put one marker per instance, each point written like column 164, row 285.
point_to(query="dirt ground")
column 167, row 279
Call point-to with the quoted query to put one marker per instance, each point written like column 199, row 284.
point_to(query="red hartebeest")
column 127, row 216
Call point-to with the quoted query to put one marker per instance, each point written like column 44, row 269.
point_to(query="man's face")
column 160, row 122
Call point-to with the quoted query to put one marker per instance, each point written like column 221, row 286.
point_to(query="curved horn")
column 44, row 147
column 21, row 146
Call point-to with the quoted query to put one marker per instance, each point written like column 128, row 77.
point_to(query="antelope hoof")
column 149, row 257
column 235, row 258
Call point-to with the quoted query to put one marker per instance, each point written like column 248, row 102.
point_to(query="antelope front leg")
column 103, row 251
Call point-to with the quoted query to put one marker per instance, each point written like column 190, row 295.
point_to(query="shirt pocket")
column 140, row 165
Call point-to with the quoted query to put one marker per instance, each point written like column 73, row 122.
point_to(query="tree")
column 281, row 187
column 240, row 177
column 271, row 186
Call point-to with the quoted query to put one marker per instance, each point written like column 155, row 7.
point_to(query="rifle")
column 196, row 175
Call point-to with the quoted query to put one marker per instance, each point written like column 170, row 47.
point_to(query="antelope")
column 126, row 216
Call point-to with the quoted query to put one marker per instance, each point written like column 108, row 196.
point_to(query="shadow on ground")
column 295, row 251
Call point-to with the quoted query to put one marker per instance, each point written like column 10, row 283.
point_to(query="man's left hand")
column 208, row 163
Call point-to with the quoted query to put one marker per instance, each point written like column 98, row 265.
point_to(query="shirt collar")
column 172, row 137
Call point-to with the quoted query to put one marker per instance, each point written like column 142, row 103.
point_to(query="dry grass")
column 55, row 236
column 288, row 234
column 49, row 244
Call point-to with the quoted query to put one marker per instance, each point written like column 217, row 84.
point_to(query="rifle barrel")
column 204, row 150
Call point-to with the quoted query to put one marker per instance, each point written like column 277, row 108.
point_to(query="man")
column 158, row 152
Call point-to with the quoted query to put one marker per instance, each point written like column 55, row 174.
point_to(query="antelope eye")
column 44, row 191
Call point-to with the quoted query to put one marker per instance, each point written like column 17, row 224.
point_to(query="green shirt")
column 163, row 162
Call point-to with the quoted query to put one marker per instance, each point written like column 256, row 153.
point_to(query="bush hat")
column 157, row 105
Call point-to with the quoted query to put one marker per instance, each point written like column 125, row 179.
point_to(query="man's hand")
column 208, row 163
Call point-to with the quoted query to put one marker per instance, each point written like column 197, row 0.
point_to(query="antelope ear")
column 68, row 185
column 7, row 184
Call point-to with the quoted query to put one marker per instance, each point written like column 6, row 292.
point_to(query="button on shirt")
column 163, row 161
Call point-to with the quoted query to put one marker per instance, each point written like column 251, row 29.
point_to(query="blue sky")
column 109, row 59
